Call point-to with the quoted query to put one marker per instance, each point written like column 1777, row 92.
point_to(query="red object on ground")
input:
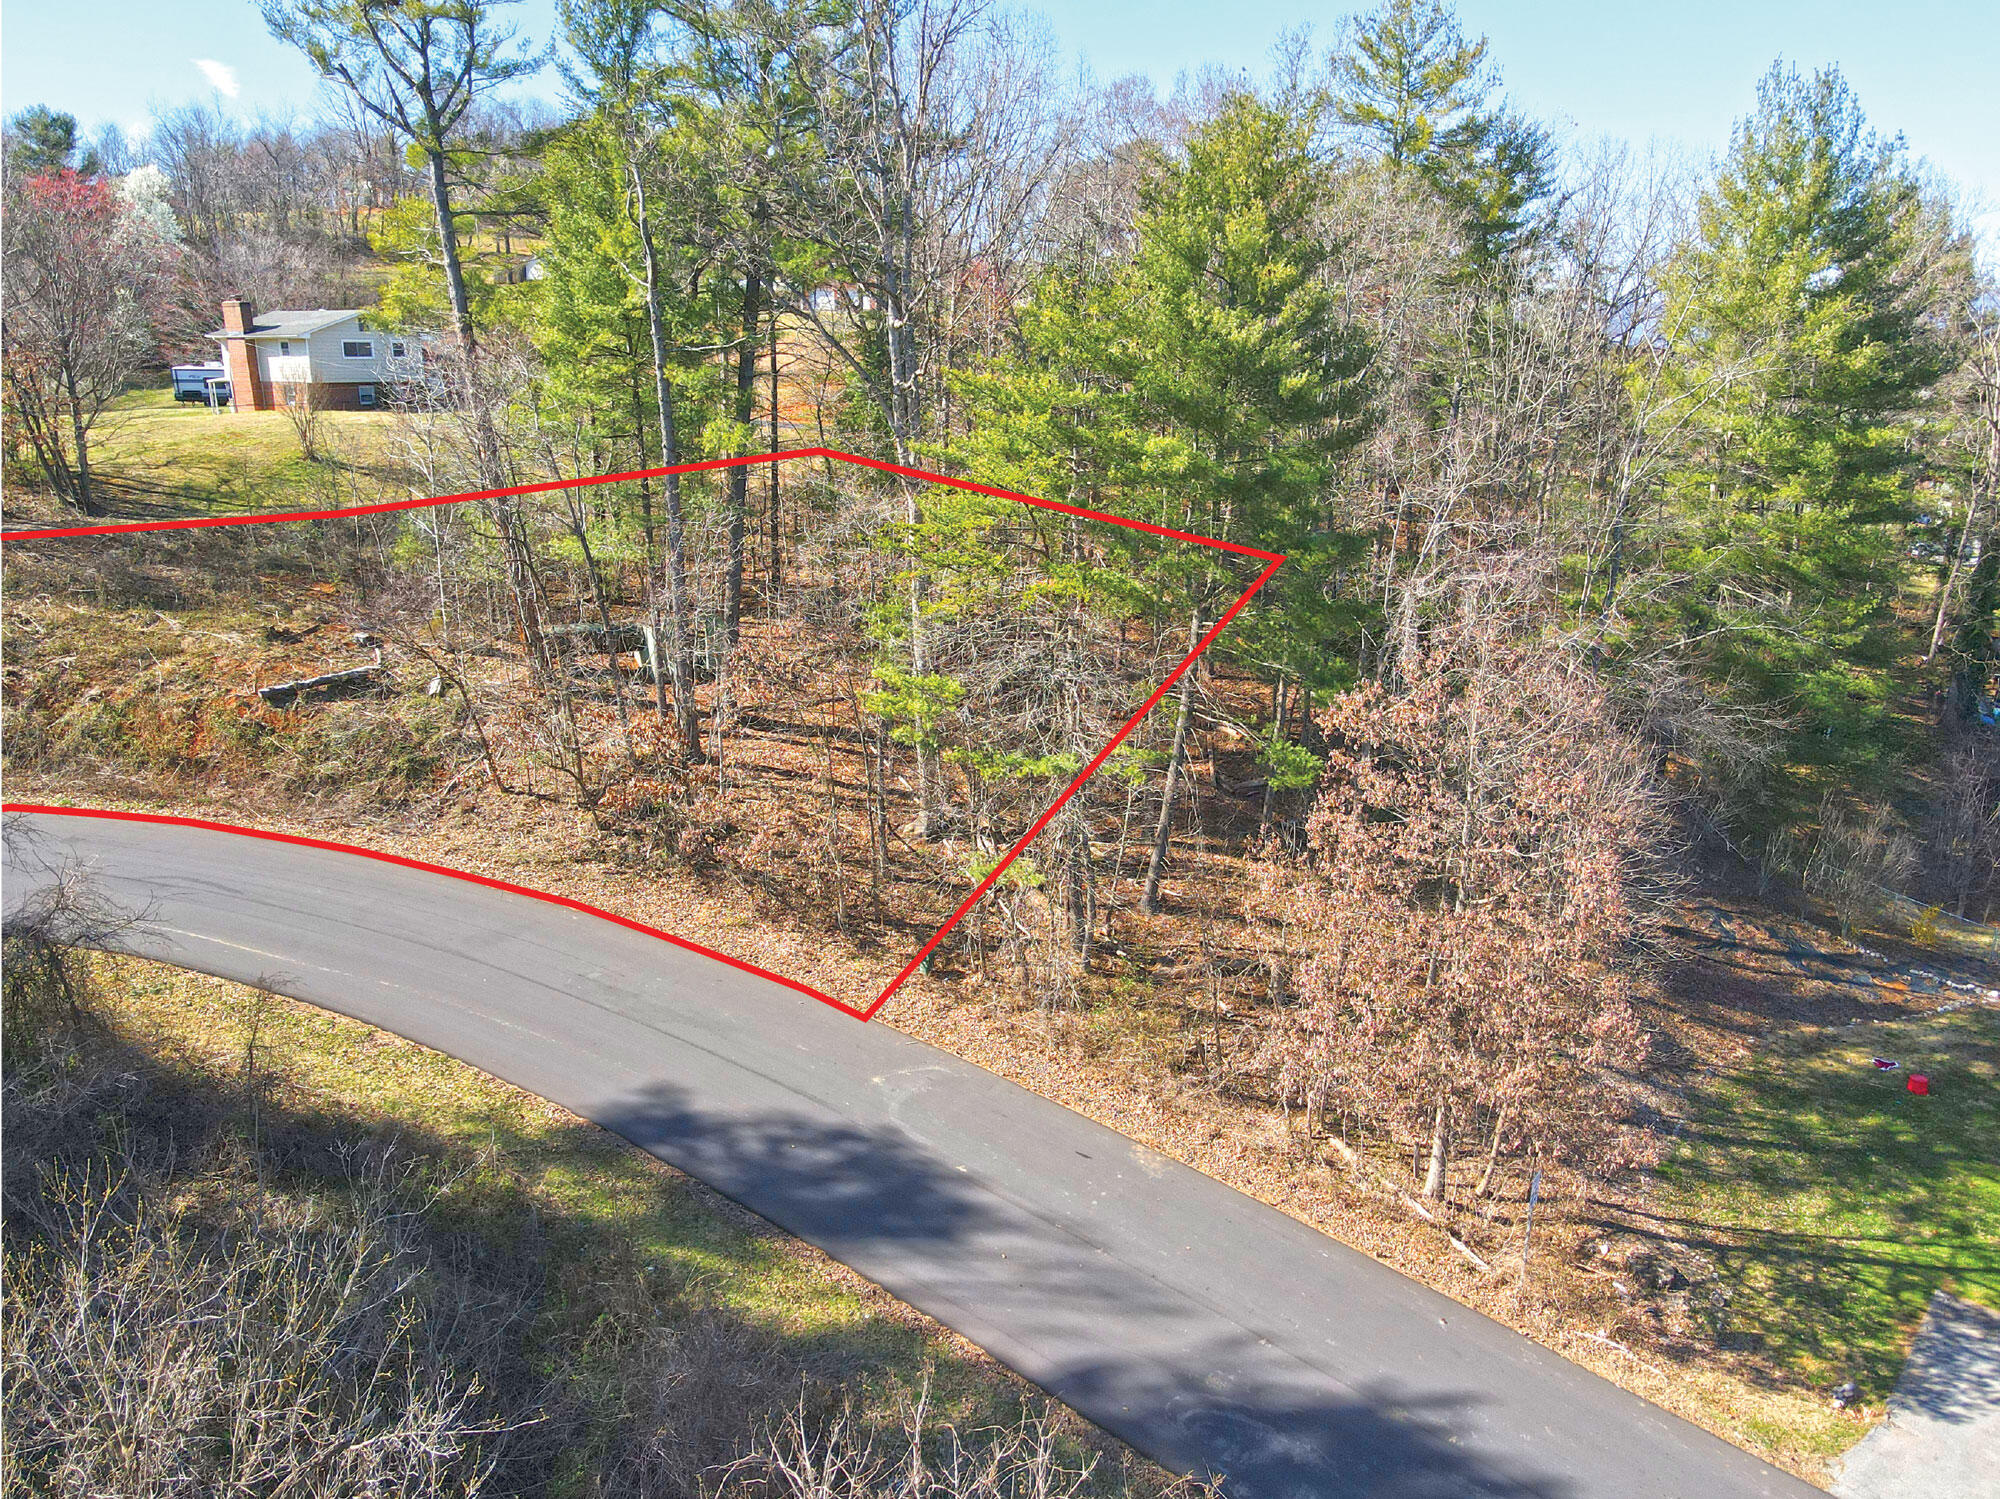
column 1918, row 1083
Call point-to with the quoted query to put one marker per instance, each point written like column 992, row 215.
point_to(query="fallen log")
column 283, row 694
column 1368, row 1174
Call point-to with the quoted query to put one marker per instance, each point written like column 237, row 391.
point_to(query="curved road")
column 1204, row 1328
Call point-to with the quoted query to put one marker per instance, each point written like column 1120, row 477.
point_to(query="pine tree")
column 1210, row 385
column 1799, row 297
column 590, row 325
column 1415, row 87
column 625, row 74
column 1239, row 359
column 1412, row 82
column 412, row 295
column 743, row 102
column 418, row 67
column 43, row 141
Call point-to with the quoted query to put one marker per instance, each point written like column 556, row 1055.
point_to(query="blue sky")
column 1677, row 72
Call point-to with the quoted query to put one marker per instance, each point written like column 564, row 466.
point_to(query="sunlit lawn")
column 1834, row 1202
column 152, row 448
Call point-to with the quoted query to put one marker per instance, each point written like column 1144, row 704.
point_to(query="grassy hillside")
column 223, row 1205
column 153, row 456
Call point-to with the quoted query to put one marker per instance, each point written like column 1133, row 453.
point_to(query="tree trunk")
column 639, row 438
column 1280, row 696
column 1440, row 1152
column 1083, row 876
column 771, row 471
column 486, row 441
column 874, row 740
column 86, row 502
column 454, row 272
column 739, row 477
column 1951, row 576
column 1149, row 900
column 1974, row 644
column 581, row 531
column 1492, row 1155
column 680, row 661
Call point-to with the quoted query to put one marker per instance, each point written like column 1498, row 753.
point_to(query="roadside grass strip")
column 627, row 1250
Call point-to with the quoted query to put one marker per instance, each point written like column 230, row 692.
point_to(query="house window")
column 364, row 397
column 283, row 347
column 357, row 348
column 396, row 349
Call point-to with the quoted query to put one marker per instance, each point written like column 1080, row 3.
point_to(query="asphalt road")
column 1209, row 1331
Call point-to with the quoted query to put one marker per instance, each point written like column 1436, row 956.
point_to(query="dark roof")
column 292, row 324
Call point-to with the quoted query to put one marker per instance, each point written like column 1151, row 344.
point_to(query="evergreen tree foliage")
column 1798, row 300
column 591, row 322
column 1239, row 356
column 44, row 140
column 1211, row 384
column 418, row 67
column 1413, row 83
column 413, row 295
column 1413, row 86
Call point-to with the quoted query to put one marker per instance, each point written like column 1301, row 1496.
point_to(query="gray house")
column 325, row 355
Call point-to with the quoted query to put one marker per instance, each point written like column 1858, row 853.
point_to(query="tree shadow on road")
column 1219, row 1403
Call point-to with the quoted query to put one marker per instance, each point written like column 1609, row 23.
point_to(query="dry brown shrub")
column 147, row 1357
column 843, row 1456
column 1453, row 940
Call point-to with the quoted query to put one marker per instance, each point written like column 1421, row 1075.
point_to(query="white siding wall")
column 321, row 358
column 329, row 364
column 286, row 369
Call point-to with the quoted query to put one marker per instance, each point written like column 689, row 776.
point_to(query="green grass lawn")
column 1833, row 1202
column 152, row 448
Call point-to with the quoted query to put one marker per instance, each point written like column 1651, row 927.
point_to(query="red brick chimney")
column 239, row 359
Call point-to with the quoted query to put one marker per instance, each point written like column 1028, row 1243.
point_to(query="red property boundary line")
column 1272, row 561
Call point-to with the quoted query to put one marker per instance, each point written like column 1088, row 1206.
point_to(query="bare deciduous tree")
column 306, row 418
column 1471, row 878
column 83, row 289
